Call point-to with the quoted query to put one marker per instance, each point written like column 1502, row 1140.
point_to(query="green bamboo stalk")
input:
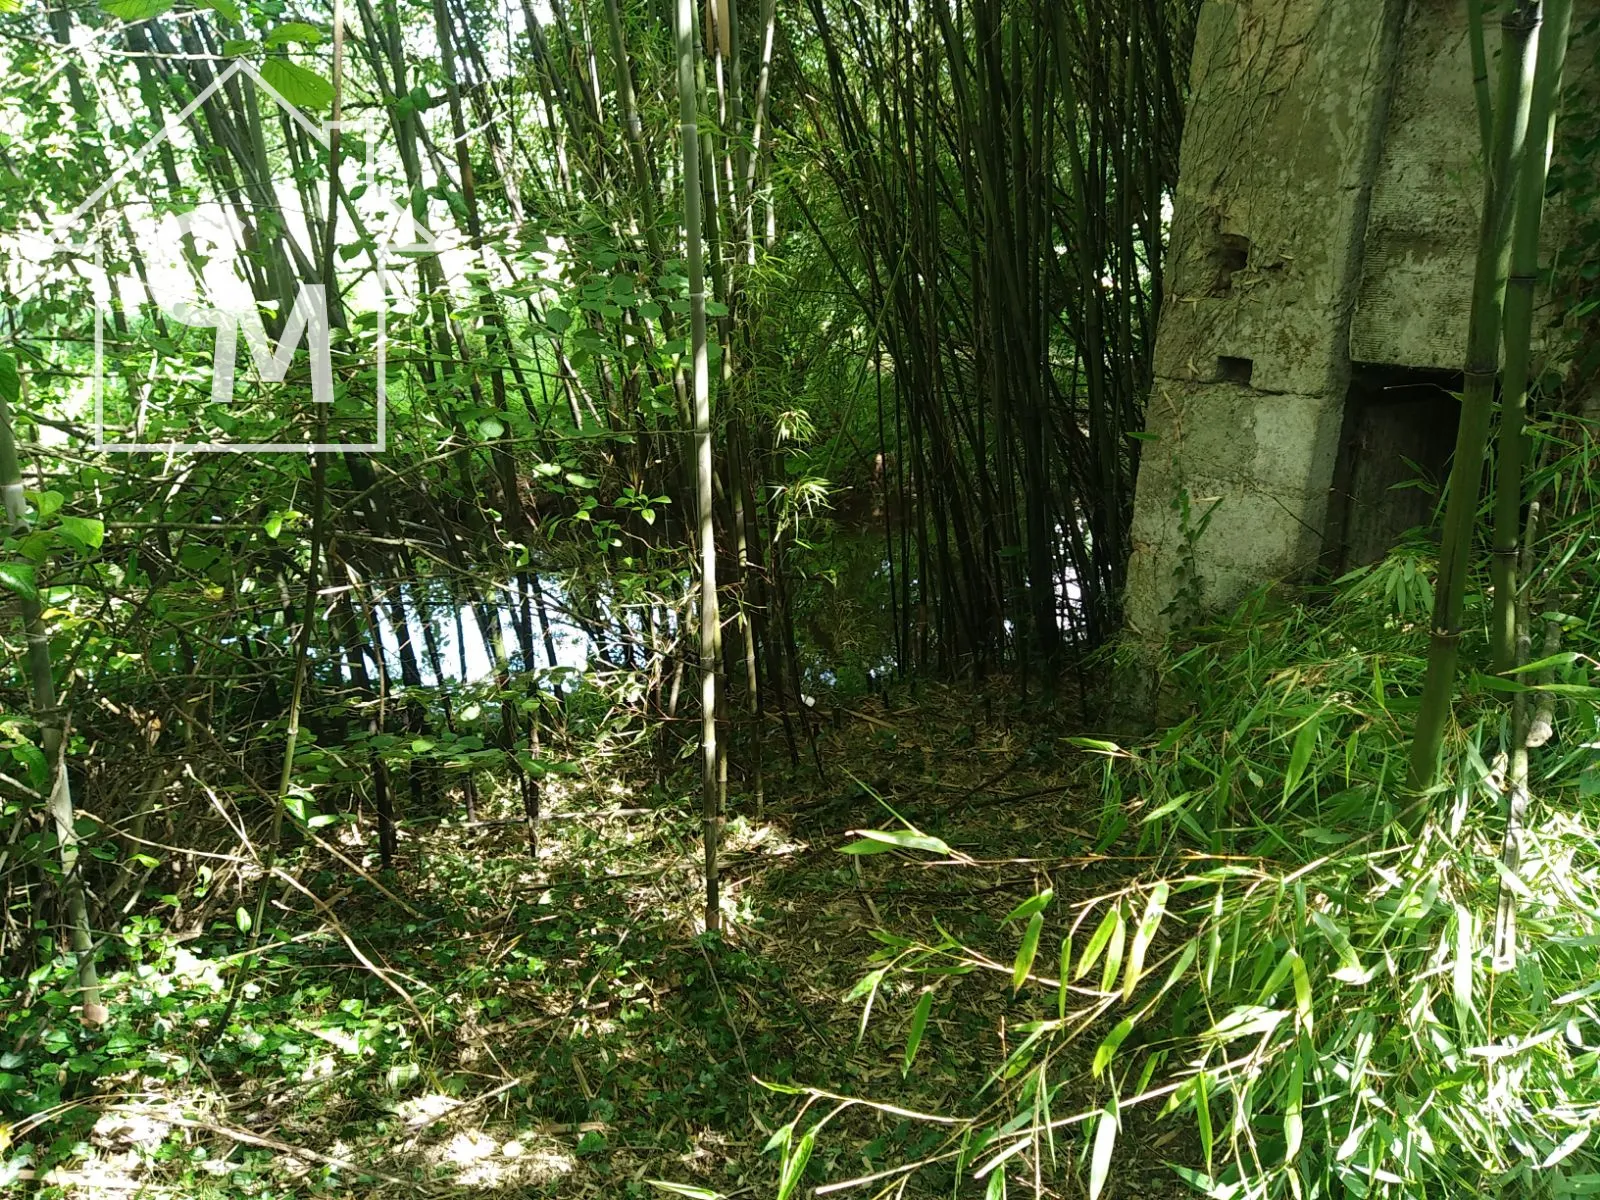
column 1477, row 396
column 710, row 618
column 1518, row 324
column 52, row 722
column 1480, row 76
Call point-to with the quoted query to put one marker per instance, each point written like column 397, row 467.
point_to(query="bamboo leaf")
column 1119, row 935
column 1108, row 1048
column 1026, row 952
column 919, row 1023
column 1155, row 908
column 1105, row 1140
column 1293, row 1123
column 1202, row 1113
column 880, row 841
column 1098, row 942
column 1061, row 990
column 1028, row 907
column 794, row 1166
column 1305, row 744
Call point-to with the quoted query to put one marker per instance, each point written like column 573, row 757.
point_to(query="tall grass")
column 1304, row 986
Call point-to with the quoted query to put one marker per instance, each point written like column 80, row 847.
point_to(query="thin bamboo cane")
column 710, row 620
column 1518, row 324
column 1477, row 400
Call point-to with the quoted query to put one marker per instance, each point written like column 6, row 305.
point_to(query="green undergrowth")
column 480, row 1022
column 1296, row 995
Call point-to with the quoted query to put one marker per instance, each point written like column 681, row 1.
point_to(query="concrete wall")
column 1326, row 213
column 1285, row 128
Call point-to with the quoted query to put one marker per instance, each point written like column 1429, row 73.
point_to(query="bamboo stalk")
column 1518, row 324
column 710, row 619
column 1477, row 399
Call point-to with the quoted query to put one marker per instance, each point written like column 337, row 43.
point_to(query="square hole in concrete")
column 1234, row 370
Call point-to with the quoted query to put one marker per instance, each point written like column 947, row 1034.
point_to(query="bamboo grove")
column 663, row 290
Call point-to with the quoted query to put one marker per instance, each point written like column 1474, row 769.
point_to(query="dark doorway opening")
column 1399, row 433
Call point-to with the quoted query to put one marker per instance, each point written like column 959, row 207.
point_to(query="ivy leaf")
column 297, row 85
column 18, row 577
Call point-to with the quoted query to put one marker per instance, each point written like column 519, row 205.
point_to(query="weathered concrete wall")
column 1326, row 214
column 1285, row 126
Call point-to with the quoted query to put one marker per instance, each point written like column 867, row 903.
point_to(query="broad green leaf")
column 18, row 577
column 241, row 918
column 298, row 86
column 293, row 31
column 237, row 48
column 489, row 429
column 85, row 531
column 48, row 504
column 136, row 10
column 1026, row 952
column 877, row 841
column 919, row 1024
column 226, row 9
column 10, row 381
column 1155, row 908
column 1105, row 1139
